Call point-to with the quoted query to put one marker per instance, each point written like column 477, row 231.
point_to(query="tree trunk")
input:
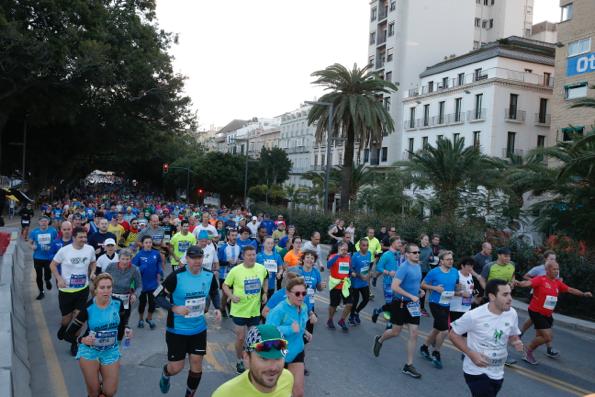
column 3, row 121
column 347, row 169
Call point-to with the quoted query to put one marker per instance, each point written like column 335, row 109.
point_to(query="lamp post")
column 188, row 172
column 327, row 170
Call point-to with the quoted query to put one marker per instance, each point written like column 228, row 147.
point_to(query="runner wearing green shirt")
column 180, row 242
column 244, row 286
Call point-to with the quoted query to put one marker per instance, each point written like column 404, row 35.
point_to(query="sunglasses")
column 300, row 293
column 414, row 252
column 267, row 345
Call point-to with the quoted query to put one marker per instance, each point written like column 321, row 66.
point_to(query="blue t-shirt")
column 192, row 291
column 57, row 244
column 244, row 243
column 104, row 322
column 448, row 281
column 149, row 265
column 278, row 297
column 270, row 262
column 269, row 225
column 43, row 242
column 410, row 276
column 389, row 261
column 360, row 264
column 312, row 279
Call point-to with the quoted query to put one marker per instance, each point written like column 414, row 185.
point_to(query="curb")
column 561, row 320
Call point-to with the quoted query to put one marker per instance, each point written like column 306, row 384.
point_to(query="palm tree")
column 359, row 114
column 360, row 176
column 449, row 167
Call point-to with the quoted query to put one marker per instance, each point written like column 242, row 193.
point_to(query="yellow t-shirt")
column 241, row 386
column 117, row 230
column 246, row 283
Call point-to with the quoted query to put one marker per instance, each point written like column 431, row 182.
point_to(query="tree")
column 386, row 195
column 358, row 113
column 360, row 176
column 449, row 168
column 274, row 165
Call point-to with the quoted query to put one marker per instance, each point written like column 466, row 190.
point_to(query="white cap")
column 109, row 241
column 254, row 218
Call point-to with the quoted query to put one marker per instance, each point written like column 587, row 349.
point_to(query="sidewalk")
column 561, row 320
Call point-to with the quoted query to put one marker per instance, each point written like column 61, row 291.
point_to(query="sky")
column 254, row 58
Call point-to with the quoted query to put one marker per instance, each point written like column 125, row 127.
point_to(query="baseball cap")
column 203, row 234
column 267, row 341
column 109, row 241
column 254, row 218
column 503, row 251
column 194, row 252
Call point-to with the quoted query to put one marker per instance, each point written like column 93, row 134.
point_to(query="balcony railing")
column 381, row 38
column 383, row 13
column 476, row 115
column 507, row 153
column 455, row 118
column 476, row 77
column 514, row 115
column 543, row 119
column 409, row 125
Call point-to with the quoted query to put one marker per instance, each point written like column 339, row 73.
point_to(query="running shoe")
column 330, row 324
column 375, row 314
column 352, row 321
column 48, row 284
column 40, row 296
column 386, row 315
column 141, row 324
column 240, row 367
column 425, row 352
column 528, row 357
column 411, row 371
column 552, row 353
column 343, row 325
column 436, row 359
column 377, row 345
column 357, row 319
column 510, row 361
column 164, row 384
column 151, row 323
column 372, row 296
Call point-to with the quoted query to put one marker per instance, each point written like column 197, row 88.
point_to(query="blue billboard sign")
column 580, row 64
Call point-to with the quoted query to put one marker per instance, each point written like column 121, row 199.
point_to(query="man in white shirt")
column 205, row 225
column 489, row 329
column 253, row 226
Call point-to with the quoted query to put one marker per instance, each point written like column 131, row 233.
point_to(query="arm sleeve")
column 214, row 292
column 229, row 278
column 380, row 264
column 401, row 273
column 463, row 324
column 563, row 287
column 76, row 325
column 276, row 317
column 59, row 257
column 135, row 260
column 332, row 261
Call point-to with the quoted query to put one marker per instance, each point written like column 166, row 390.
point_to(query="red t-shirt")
column 341, row 268
column 545, row 294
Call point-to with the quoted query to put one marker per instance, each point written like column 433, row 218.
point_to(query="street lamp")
column 247, row 139
column 327, row 170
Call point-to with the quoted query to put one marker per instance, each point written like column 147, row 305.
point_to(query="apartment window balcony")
column 383, row 14
column 413, row 92
column 410, row 125
column 543, row 120
column 514, row 115
column 381, row 39
column 455, row 118
column 380, row 64
column 508, row 153
column 476, row 115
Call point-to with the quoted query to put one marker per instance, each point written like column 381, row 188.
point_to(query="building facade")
column 407, row 35
column 497, row 98
column 575, row 69
column 297, row 139
column 545, row 31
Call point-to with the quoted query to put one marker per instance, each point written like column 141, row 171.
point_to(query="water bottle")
column 126, row 343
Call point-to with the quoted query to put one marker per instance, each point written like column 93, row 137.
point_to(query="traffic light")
column 200, row 191
column 165, row 168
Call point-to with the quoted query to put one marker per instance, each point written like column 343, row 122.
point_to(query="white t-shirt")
column 458, row 303
column 253, row 228
column 487, row 333
column 210, row 257
column 103, row 261
column 75, row 266
column 209, row 228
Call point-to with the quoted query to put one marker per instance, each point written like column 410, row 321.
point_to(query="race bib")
column 252, row 286
column 446, row 297
column 550, row 302
column 413, row 308
column 270, row 265
column 105, row 339
column 196, row 307
column 496, row 357
column 311, row 292
column 364, row 271
column 166, row 238
column 25, row 222
column 44, row 239
column 183, row 246
column 77, row 280
column 343, row 268
column 467, row 301
column 125, row 298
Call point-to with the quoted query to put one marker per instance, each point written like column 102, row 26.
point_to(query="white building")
column 297, row 139
column 241, row 136
column 408, row 35
column 545, row 31
column 497, row 97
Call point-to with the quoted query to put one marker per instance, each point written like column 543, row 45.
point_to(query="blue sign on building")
column 580, row 64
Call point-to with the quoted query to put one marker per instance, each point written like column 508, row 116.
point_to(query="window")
column 512, row 106
column 456, row 136
column 393, row 5
column 493, row 1
column 542, row 110
column 426, row 115
column 571, row 132
column 579, row 47
column 458, row 106
column 485, row 2
column 528, row 70
column 547, row 79
column 484, row 24
column 388, row 76
column 389, row 57
column 373, row 14
column 411, row 143
column 366, row 155
column 491, row 23
column 439, row 137
column 477, row 22
column 384, row 154
column 510, row 144
column 445, row 82
column 477, row 74
column 476, row 139
column 461, row 79
column 391, row 29
column 441, row 112
column 424, row 142
column 431, row 86
column 411, row 117
column 372, row 37
column 387, row 103
column 315, row 160
column 478, row 103
column 578, row 90
column 371, row 62
column 566, row 12
column 322, row 158
column 541, row 141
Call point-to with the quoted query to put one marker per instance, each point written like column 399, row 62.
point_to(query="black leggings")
column 142, row 302
column 42, row 272
column 365, row 292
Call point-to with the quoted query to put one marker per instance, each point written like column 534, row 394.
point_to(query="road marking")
column 54, row 368
column 211, row 359
column 551, row 381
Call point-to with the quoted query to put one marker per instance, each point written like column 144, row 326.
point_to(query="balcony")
column 381, row 38
column 455, row 118
column 409, row 125
column 476, row 115
column 380, row 64
column 382, row 14
column 542, row 119
column 508, row 153
column 514, row 115
column 296, row 149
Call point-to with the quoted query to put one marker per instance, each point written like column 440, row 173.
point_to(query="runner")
column 110, row 256
column 131, row 234
column 337, row 231
column 245, row 286
column 546, row 290
column 98, row 354
column 314, row 283
column 245, row 240
column 272, row 261
column 466, row 289
column 347, row 237
column 253, row 226
column 229, row 254
column 314, row 245
column 290, row 318
column 387, row 266
column 77, row 266
column 96, row 240
column 26, row 213
column 40, row 241
column 150, row 266
column 425, row 259
column 180, row 243
column 278, row 297
column 489, row 329
column 183, row 294
column 405, row 307
column 264, row 352
column 360, row 274
column 292, row 258
column 204, row 226
column 339, row 266
column 65, row 239
column 116, row 229
column 442, row 282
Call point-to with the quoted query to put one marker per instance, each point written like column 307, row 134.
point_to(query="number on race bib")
column 413, row 308
column 343, row 268
column 252, row 286
column 105, row 339
column 196, row 307
column 77, row 280
column 270, row 265
column 446, row 297
column 550, row 302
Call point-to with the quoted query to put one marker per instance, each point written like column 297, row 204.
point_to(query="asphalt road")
column 340, row 364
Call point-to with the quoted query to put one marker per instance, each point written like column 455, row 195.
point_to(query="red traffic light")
column 165, row 168
column 200, row 191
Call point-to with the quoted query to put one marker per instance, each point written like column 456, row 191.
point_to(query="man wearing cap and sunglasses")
column 264, row 354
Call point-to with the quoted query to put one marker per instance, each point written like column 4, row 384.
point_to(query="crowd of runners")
column 107, row 254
